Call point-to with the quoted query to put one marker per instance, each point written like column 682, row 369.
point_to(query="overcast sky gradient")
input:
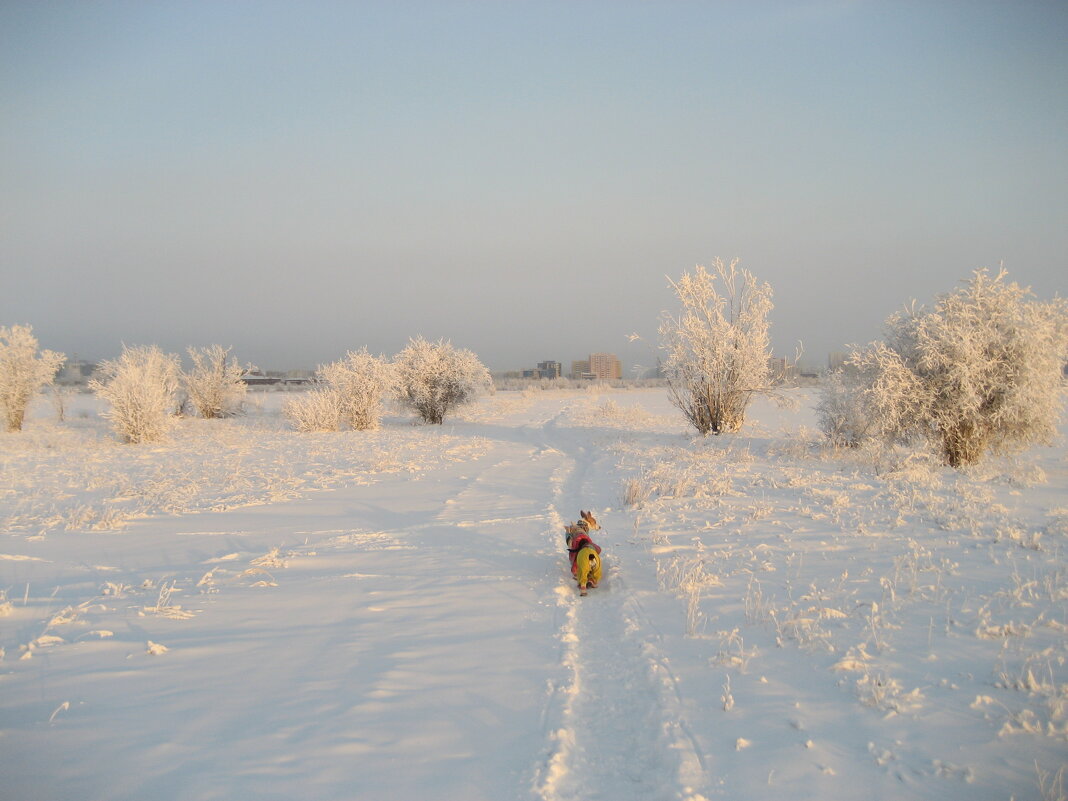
column 300, row 179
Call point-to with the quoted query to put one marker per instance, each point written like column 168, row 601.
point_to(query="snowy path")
column 620, row 736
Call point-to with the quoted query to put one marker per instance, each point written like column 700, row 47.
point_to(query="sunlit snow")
column 248, row 612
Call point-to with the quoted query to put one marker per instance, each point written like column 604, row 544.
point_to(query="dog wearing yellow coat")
column 585, row 554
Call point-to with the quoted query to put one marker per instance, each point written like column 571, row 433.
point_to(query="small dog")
column 584, row 553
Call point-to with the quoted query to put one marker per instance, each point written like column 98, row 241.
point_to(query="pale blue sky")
column 299, row 179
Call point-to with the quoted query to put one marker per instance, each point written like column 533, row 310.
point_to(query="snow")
column 249, row 612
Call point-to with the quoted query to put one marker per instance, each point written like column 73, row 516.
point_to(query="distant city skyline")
column 76, row 364
column 298, row 180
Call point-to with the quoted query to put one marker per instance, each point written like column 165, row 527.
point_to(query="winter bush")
column 840, row 412
column 982, row 370
column 23, row 372
column 318, row 409
column 433, row 378
column 59, row 396
column 140, row 388
column 718, row 347
column 362, row 383
column 214, row 386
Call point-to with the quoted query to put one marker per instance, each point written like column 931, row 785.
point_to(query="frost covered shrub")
column 214, row 386
column 23, row 372
column 840, row 412
column 140, row 388
column 362, row 383
column 349, row 394
column 433, row 378
column 318, row 409
column 718, row 346
column 982, row 370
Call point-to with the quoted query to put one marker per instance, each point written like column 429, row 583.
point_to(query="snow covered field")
column 251, row 613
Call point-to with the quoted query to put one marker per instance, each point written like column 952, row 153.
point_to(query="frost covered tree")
column 362, row 382
column 23, row 372
column 717, row 348
column 981, row 370
column 140, row 388
column 433, row 378
column 214, row 385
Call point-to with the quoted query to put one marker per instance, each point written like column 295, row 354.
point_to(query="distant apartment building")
column 777, row 369
column 75, row 372
column 580, row 370
column 836, row 360
column 550, row 369
column 782, row 370
column 605, row 366
column 544, row 370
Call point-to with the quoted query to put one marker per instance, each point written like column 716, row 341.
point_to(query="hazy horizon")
column 296, row 181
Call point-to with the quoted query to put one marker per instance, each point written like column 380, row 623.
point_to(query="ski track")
column 617, row 728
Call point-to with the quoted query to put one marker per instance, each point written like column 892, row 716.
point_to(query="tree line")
column 145, row 388
column 980, row 370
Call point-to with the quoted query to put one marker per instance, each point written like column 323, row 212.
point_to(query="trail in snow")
column 619, row 734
